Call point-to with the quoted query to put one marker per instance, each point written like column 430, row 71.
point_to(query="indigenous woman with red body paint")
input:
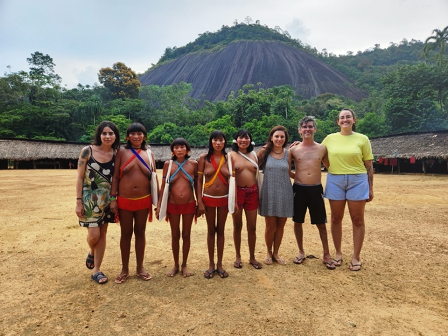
column 213, row 201
column 131, row 198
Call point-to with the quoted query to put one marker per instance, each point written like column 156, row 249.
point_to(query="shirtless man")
column 308, row 156
column 247, row 195
column 183, row 179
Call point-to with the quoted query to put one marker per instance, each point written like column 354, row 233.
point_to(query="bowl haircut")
column 136, row 127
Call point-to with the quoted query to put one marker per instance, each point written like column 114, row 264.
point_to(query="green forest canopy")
column 407, row 85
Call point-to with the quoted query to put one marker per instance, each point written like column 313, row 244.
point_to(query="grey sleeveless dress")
column 277, row 198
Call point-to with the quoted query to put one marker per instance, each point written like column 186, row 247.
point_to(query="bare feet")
column 173, row 271
column 185, row 272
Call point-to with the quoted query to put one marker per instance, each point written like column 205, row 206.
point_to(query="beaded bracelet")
column 113, row 197
column 78, row 198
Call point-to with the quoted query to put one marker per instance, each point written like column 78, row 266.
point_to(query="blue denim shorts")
column 352, row 187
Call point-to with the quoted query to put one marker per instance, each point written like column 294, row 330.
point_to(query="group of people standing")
column 221, row 182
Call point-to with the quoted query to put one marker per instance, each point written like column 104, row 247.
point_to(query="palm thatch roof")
column 419, row 145
column 32, row 150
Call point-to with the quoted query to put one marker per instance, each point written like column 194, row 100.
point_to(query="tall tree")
column 121, row 81
column 438, row 41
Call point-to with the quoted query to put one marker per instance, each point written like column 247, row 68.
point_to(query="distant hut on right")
column 412, row 153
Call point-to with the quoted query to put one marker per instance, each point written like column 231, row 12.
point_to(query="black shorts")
column 309, row 197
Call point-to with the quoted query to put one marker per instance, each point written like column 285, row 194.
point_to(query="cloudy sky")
column 83, row 36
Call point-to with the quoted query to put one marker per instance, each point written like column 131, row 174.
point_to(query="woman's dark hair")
column 353, row 116
column 216, row 135
column 181, row 142
column 270, row 144
column 136, row 127
column 244, row 134
column 97, row 137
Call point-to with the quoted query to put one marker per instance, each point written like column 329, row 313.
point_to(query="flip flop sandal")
column 209, row 274
column 223, row 274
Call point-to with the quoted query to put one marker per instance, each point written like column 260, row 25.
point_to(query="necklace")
column 278, row 152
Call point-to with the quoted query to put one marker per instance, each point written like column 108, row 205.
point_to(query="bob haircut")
column 97, row 137
column 133, row 128
column 180, row 142
column 217, row 134
column 244, row 134
column 270, row 144
column 353, row 116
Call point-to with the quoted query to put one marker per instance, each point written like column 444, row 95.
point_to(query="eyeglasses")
column 309, row 127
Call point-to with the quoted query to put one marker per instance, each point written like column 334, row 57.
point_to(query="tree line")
column 407, row 93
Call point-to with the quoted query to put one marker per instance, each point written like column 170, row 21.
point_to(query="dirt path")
column 401, row 290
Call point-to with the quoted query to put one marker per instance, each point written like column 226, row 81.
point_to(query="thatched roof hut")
column 35, row 150
column 419, row 145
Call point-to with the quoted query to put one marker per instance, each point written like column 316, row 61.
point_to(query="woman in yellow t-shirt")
column 349, row 180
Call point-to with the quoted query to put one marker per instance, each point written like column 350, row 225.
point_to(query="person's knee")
column 336, row 219
column 358, row 221
column 185, row 237
column 93, row 236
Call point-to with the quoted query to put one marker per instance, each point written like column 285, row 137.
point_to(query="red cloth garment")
column 380, row 159
column 135, row 205
column 215, row 202
column 393, row 162
column 386, row 162
column 412, row 160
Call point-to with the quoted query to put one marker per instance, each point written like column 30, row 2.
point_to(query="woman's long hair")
column 136, row 127
column 242, row 133
column 216, row 135
column 97, row 137
column 270, row 144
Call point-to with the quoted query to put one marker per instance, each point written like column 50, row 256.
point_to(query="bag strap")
column 152, row 164
column 252, row 161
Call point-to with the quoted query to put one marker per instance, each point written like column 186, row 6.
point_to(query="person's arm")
column 291, row 173
column 82, row 163
column 195, row 184
column 115, row 182
column 325, row 159
column 260, row 155
column 200, row 185
column 369, row 166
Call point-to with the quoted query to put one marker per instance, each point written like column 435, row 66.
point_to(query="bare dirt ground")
column 46, row 289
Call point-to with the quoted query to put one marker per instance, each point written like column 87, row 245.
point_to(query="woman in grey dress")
column 276, row 203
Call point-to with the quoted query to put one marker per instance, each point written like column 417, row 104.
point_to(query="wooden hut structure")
column 412, row 152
